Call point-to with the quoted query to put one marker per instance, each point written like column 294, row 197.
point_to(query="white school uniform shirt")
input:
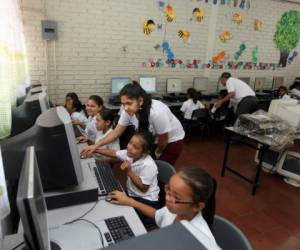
column 79, row 116
column 115, row 145
column 146, row 169
column 295, row 92
column 189, row 106
column 240, row 88
column 90, row 128
column 161, row 121
column 163, row 218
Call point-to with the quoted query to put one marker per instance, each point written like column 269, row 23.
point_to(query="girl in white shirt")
column 104, row 123
column 150, row 115
column 140, row 168
column 75, row 109
column 187, row 194
column 191, row 104
column 93, row 106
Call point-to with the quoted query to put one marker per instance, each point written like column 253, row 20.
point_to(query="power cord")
column 23, row 242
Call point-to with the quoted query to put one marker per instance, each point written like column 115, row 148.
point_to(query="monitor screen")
column 245, row 79
column 259, row 83
column 277, row 82
column 31, row 204
column 200, row 83
column 117, row 83
column 148, row 83
column 291, row 164
column 174, row 85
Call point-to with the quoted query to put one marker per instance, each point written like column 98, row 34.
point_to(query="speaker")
column 49, row 30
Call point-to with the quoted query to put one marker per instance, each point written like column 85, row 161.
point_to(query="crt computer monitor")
column 277, row 82
column 56, row 150
column 32, row 206
column 200, row 83
column 289, row 166
column 259, row 84
column 117, row 83
column 245, row 79
column 148, row 83
column 25, row 115
column 174, row 85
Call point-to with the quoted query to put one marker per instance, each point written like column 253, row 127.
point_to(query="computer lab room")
column 146, row 124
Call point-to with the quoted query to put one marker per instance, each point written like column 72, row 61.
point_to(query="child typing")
column 104, row 122
column 140, row 168
column 93, row 106
column 188, row 192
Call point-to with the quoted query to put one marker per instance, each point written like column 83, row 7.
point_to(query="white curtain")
column 14, row 75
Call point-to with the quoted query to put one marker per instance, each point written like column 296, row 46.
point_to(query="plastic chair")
column 200, row 118
column 165, row 172
column 228, row 236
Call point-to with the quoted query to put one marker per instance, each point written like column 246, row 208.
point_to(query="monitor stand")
column 54, row 246
column 292, row 182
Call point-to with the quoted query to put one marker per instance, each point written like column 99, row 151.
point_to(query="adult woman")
column 147, row 114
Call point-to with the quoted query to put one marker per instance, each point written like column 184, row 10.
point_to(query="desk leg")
column 262, row 151
column 225, row 155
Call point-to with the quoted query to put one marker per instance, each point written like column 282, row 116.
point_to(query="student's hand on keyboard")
column 119, row 198
column 125, row 166
column 89, row 150
column 81, row 139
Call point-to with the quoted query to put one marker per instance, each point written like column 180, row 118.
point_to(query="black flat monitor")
column 174, row 85
column 148, row 83
column 56, row 150
column 25, row 115
column 32, row 206
column 117, row 83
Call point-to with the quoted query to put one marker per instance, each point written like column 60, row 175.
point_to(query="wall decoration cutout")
column 167, row 50
column 235, row 3
column 257, row 25
column 198, row 14
column 237, row 18
column 185, row 35
column 240, row 52
column 225, row 36
column 161, row 5
column 159, row 26
column 148, row 26
column 242, row 4
column 248, row 4
column 287, row 34
column 215, row 1
column 292, row 56
column 170, row 13
column 254, row 55
column 219, row 57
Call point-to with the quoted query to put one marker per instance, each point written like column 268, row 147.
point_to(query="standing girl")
column 151, row 115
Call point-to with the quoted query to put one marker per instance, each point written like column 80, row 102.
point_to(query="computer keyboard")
column 106, row 179
column 118, row 228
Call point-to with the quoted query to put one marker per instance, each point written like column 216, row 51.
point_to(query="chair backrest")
column 200, row 114
column 228, row 236
column 165, row 172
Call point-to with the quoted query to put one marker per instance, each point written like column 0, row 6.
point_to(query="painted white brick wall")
column 91, row 34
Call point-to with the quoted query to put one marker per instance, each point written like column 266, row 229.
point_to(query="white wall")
column 91, row 34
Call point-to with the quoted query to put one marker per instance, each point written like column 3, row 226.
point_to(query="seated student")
column 283, row 93
column 93, row 106
column 295, row 90
column 141, row 170
column 104, row 123
column 188, row 192
column 220, row 114
column 191, row 104
column 75, row 109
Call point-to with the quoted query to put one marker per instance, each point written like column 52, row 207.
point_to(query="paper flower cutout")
column 170, row 13
column 240, row 52
column 148, row 26
column 254, row 55
column 225, row 36
column 167, row 49
column 257, row 25
column 237, row 18
column 198, row 14
column 219, row 57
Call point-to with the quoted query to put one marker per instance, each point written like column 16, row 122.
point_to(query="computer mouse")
column 108, row 199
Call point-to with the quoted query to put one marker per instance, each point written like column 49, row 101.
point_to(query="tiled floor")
column 271, row 218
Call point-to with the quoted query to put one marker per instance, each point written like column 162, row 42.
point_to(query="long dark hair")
column 148, row 140
column 192, row 93
column 204, row 189
column 135, row 91
column 76, row 102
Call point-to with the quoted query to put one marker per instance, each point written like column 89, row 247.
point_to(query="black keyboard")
column 118, row 228
column 106, row 179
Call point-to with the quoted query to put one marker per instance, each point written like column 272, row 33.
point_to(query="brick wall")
column 92, row 33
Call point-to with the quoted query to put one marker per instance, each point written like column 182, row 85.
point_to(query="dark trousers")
column 172, row 152
column 247, row 105
column 155, row 204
